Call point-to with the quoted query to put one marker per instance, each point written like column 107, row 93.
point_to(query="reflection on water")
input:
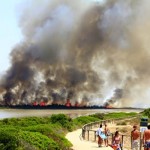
column 15, row 113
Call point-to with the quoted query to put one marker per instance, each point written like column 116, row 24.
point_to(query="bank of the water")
column 73, row 113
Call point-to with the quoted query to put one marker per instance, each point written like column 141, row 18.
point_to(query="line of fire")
column 9, row 100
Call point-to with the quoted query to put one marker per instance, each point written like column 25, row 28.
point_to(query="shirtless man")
column 146, row 138
column 135, row 136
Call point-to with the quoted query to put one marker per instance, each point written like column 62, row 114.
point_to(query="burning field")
column 80, row 53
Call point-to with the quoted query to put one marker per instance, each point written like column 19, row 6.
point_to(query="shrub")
column 8, row 140
column 24, row 122
column 98, row 115
column 63, row 120
column 38, row 140
column 84, row 120
column 146, row 112
column 122, row 123
column 54, row 132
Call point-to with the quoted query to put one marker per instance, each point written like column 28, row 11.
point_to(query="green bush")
column 63, row 120
column 8, row 140
column 45, row 128
column 80, row 121
column 146, row 112
column 24, row 122
column 54, row 132
column 98, row 115
column 38, row 140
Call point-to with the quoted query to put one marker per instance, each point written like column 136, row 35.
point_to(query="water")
column 17, row 113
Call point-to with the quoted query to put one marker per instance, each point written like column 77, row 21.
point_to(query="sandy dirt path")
column 79, row 144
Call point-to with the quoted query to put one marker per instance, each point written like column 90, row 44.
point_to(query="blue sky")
column 10, row 33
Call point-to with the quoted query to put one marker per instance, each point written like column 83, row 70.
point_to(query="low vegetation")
column 35, row 133
column 119, row 115
column 146, row 112
column 122, row 123
column 45, row 133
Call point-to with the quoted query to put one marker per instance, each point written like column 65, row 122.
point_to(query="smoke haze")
column 91, row 52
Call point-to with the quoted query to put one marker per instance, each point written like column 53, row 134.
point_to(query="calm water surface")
column 16, row 113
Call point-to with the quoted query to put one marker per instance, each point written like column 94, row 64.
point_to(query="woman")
column 107, row 133
column 116, row 145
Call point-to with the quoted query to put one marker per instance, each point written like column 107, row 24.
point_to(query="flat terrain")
column 79, row 144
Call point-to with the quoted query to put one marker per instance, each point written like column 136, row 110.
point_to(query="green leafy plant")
column 8, row 140
column 63, row 120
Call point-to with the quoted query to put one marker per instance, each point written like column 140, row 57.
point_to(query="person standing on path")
column 101, row 135
column 135, row 137
column 116, row 145
column 146, row 138
column 107, row 133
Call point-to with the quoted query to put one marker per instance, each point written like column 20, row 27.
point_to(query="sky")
column 10, row 33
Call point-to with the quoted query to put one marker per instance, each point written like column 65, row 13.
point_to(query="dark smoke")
column 117, row 95
column 82, row 51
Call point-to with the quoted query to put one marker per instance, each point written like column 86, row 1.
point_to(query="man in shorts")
column 99, row 131
column 101, row 136
column 135, row 137
column 146, row 138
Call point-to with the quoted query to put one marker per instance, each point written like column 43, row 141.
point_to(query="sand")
column 79, row 144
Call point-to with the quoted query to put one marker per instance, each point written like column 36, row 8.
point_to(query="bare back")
column 135, row 134
column 106, row 130
column 146, row 135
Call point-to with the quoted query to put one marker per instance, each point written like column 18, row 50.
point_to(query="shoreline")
column 73, row 113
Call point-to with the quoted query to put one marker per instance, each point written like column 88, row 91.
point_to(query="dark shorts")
column 147, row 145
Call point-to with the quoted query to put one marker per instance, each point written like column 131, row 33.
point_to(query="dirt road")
column 79, row 144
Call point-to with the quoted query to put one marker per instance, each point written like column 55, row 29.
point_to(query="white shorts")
column 135, row 145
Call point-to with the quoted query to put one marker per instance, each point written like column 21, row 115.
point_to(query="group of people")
column 135, row 136
column 103, row 137
column 117, row 140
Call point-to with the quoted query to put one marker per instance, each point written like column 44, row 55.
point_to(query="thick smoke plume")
column 88, row 52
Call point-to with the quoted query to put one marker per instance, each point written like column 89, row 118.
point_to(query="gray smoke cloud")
column 88, row 52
